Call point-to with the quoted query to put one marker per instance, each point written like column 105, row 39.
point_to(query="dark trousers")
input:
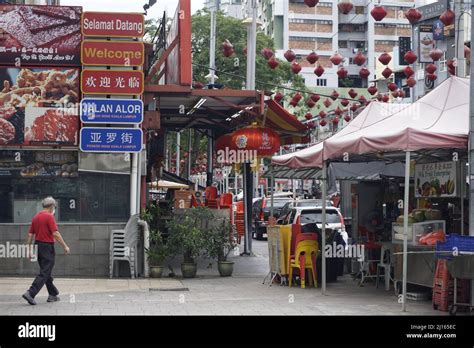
column 46, row 256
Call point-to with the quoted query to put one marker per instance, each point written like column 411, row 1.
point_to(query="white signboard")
column 436, row 179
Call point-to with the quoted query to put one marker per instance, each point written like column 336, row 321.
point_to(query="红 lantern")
column 335, row 121
column 323, row 123
column 385, row 98
column 430, row 68
column 322, row 114
column 227, row 48
column 311, row 3
column 410, row 57
column 413, row 15
column 352, row 93
column 447, row 17
column 372, row 90
column 345, row 6
column 436, row 54
column 265, row 141
column 336, row 58
column 273, row 63
column 344, row 102
column 315, row 97
column 267, row 53
column 319, row 71
column 359, row 59
column 312, row 57
column 347, row 118
column 334, row 95
column 408, row 71
column 378, row 13
column 289, row 55
column 411, row 82
column 354, row 107
column 387, row 72
column 385, row 58
column 364, row 73
column 295, row 67
column 342, row 72
column 327, row 103
column 338, row 111
column 278, row 97
column 308, row 116
column 310, row 103
column 392, row 86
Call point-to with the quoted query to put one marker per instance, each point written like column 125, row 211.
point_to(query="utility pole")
column 212, row 48
column 459, row 39
column 471, row 145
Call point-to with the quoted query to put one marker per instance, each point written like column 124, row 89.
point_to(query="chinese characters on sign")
column 120, row 82
column 436, row 179
column 111, row 139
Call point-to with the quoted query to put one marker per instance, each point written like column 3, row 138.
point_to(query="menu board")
column 38, row 164
column 40, row 35
column 39, row 106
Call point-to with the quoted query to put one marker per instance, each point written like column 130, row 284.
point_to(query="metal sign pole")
column 405, row 229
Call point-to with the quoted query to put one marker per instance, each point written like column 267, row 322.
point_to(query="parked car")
column 261, row 210
column 299, row 203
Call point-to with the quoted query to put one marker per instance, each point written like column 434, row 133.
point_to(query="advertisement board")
column 40, row 35
column 120, row 82
column 436, row 179
column 112, row 53
column 110, row 24
column 426, row 43
column 38, row 164
column 117, row 111
column 38, row 106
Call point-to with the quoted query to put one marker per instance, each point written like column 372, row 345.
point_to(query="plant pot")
column 189, row 269
column 225, row 268
column 156, row 271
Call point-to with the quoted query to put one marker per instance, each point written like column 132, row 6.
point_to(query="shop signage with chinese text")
column 112, row 53
column 120, row 82
column 436, row 179
column 117, row 111
column 109, row 24
column 107, row 140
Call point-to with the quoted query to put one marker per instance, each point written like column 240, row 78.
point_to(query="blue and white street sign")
column 112, row 111
column 111, row 140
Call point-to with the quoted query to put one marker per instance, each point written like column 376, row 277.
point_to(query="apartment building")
column 231, row 8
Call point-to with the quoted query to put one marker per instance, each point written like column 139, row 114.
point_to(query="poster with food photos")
column 39, row 107
column 40, row 35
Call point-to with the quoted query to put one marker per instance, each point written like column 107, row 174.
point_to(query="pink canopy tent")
column 440, row 119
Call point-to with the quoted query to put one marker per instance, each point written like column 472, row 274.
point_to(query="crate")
column 461, row 243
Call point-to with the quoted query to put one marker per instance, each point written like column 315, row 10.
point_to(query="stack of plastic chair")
column 386, row 264
column 305, row 258
column 212, row 199
column 443, row 288
column 240, row 221
column 123, row 246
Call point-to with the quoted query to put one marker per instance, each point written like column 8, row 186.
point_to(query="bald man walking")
column 44, row 231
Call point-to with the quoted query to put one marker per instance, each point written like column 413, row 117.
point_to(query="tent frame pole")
column 405, row 229
column 323, row 227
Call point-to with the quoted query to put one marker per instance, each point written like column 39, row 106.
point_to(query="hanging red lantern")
column 308, row 116
column 413, row 15
column 312, row 57
column 447, row 17
column 265, row 141
column 310, row 104
column 198, row 85
column 335, row 121
column 451, row 67
column 387, row 72
column 311, row 3
column 385, row 98
column 372, row 90
column 315, row 97
column 401, row 93
column 352, row 93
column 224, row 142
column 342, row 72
column 378, row 13
column 354, row 107
column 273, row 63
column 410, row 57
column 408, row 71
column 364, row 73
column 319, row 70
column 297, row 96
column 385, row 58
column 430, row 68
column 379, row 97
column 362, row 100
column 295, row 67
column 293, row 103
column 227, row 48
column 436, row 54
column 392, row 86
column 310, row 125
column 431, row 77
column 344, row 102
column 267, row 53
column 290, row 55
column 327, row 102
column 359, row 59
column 336, row 58
column 278, row 97
column 323, row 123
column 345, row 7
column 322, row 114
column 334, row 95
column 338, row 111
column 347, row 118
column 411, row 82
column 395, row 94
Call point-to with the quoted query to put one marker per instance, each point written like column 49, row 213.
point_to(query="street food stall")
column 434, row 128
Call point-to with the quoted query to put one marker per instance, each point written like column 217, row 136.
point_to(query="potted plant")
column 187, row 237
column 156, row 254
column 221, row 240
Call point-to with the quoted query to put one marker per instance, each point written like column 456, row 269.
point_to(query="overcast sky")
column 156, row 11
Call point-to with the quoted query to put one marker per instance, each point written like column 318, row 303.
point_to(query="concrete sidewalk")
column 208, row 294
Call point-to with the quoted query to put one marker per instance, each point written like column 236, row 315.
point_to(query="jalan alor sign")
column 116, row 53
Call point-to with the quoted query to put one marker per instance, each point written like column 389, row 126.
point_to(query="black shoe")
column 52, row 298
column 28, row 298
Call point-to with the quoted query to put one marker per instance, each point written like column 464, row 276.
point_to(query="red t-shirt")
column 43, row 226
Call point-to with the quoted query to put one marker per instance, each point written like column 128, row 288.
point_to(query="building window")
column 342, row 44
column 321, row 82
column 360, row 10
